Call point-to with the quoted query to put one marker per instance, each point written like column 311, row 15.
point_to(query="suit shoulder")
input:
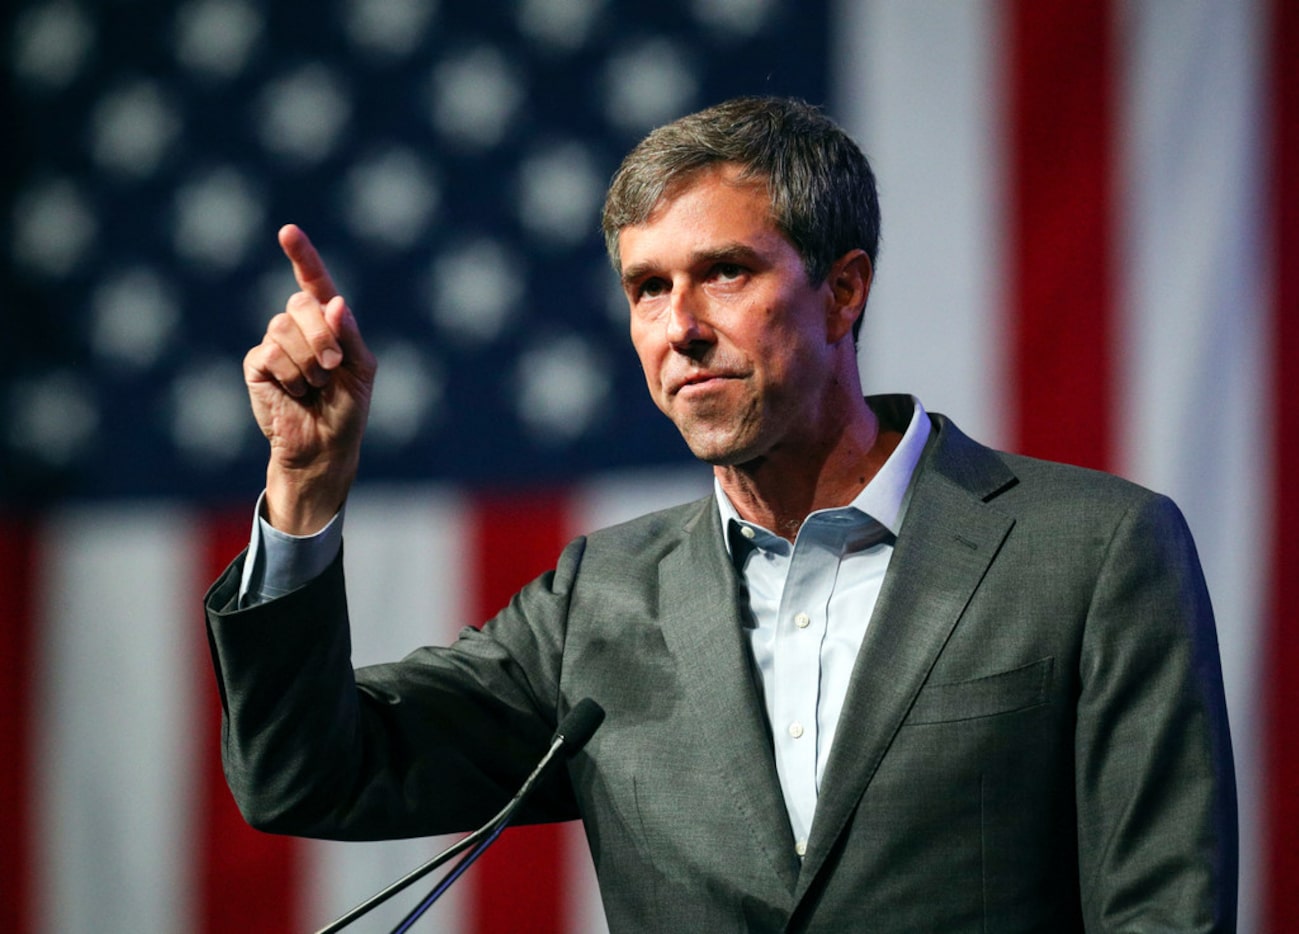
column 651, row 533
column 1082, row 481
column 1055, row 493
column 1021, row 483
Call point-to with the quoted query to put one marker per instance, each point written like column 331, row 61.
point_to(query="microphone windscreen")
column 581, row 722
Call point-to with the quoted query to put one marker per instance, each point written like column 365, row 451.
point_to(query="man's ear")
column 850, row 284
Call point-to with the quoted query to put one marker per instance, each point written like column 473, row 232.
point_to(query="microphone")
column 573, row 732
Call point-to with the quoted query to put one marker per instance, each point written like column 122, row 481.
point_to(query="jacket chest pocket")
column 1004, row 692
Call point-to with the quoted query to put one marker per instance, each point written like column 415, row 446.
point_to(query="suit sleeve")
column 434, row 743
column 1155, row 784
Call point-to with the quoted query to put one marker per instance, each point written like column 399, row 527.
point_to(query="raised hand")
column 310, row 381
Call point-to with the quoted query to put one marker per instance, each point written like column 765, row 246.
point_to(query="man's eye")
column 728, row 270
column 651, row 288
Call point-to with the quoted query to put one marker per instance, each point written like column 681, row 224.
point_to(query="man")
column 884, row 679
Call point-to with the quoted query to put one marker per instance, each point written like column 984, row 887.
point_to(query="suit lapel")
column 947, row 541
column 703, row 630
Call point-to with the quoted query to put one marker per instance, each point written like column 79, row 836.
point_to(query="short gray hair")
column 822, row 189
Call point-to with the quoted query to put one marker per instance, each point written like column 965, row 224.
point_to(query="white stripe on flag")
column 1194, row 414
column 118, row 616
column 406, row 580
column 916, row 85
column 581, row 906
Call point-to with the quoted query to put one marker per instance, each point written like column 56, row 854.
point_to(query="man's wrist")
column 279, row 562
column 302, row 503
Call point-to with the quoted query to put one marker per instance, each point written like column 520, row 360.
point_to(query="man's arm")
column 434, row 743
column 1154, row 776
column 427, row 745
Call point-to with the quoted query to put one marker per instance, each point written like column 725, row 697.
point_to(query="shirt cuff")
column 279, row 563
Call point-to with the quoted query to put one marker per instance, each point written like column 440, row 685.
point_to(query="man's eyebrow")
column 727, row 253
column 724, row 253
column 631, row 273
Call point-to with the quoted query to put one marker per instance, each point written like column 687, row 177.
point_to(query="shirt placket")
column 800, row 633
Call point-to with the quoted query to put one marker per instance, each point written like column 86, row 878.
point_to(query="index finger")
column 308, row 268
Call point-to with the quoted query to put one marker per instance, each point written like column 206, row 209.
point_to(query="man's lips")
column 698, row 381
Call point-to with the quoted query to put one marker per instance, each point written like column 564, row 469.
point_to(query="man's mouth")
column 701, row 381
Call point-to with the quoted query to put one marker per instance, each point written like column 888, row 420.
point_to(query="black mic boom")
column 572, row 734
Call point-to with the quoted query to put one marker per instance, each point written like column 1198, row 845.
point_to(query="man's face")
column 735, row 343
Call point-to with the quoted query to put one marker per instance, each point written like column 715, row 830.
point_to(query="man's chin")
column 719, row 453
column 721, row 439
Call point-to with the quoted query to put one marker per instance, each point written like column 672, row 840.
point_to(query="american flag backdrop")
column 1091, row 219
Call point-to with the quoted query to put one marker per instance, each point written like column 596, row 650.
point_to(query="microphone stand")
column 571, row 736
column 456, row 871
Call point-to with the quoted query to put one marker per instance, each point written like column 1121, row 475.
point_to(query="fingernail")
column 330, row 359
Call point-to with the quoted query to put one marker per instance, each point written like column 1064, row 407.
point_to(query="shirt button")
column 796, row 729
column 747, row 532
column 801, row 848
column 802, row 620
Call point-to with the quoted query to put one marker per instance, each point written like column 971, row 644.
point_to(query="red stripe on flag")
column 1281, row 824
column 248, row 882
column 519, row 884
column 17, row 636
column 1061, row 105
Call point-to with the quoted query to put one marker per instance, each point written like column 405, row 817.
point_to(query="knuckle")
column 304, row 315
column 281, row 325
column 261, row 358
column 254, row 360
column 299, row 302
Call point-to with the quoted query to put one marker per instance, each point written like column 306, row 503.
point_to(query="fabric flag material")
column 1089, row 217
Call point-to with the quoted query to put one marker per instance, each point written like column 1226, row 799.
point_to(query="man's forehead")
column 728, row 175
column 737, row 228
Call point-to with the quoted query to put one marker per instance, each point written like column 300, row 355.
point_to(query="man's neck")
column 779, row 491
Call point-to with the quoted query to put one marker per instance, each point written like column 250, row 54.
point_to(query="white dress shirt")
column 810, row 604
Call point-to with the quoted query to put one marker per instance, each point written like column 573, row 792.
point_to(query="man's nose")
column 687, row 321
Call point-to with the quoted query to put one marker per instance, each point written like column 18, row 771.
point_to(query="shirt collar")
column 884, row 498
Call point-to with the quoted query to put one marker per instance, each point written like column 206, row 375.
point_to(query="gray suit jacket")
column 1034, row 739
